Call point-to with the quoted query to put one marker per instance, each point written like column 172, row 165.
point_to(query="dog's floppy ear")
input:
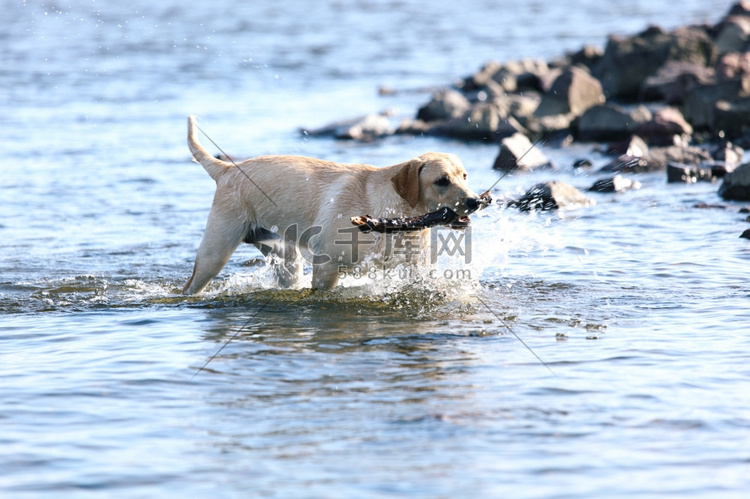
column 406, row 181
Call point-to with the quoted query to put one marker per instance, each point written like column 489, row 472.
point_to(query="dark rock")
column 741, row 8
column 657, row 159
column 553, row 195
column 719, row 169
column 679, row 172
column 409, row 126
column 627, row 62
column 736, row 185
column 665, row 124
column 618, row 183
column 550, row 125
column 523, row 106
column 629, row 164
column 365, row 128
column 573, row 92
column 517, row 151
column 610, row 122
column 506, row 76
column 634, row 146
column 481, row 77
column 673, row 80
column 732, row 117
column 733, row 65
column 734, row 34
column 582, row 163
column 728, row 153
column 516, row 76
column 708, row 206
column 444, row 105
column 700, row 105
column 745, row 234
column 484, row 121
column 589, row 56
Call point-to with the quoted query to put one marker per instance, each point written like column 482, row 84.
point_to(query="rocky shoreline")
column 675, row 101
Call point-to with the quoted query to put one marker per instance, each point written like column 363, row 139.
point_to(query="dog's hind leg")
column 285, row 260
column 224, row 232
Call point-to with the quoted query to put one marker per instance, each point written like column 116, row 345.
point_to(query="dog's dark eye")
column 466, row 176
column 443, row 182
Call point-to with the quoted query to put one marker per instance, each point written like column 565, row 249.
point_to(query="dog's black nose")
column 473, row 204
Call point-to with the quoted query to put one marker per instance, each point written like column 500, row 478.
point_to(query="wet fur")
column 257, row 200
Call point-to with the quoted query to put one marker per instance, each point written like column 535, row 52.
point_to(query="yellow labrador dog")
column 287, row 205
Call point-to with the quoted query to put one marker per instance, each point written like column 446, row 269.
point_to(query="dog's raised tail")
column 215, row 167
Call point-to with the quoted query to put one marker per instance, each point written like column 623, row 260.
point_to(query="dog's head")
column 434, row 181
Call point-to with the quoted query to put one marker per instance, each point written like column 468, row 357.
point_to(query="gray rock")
column 728, row 153
column 549, row 124
column 733, row 65
column 628, row 164
column 657, row 159
column 409, row 126
column 627, row 62
column 700, row 105
column 736, row 185
column 618, row 183
column 517, row 151
column 369, row 127
column 553, row 195
column 680, row 172
column 573, row 92
column 589, row 56
column 734, row 34
column 672, row 81
column 481, row 77
column 484, row 121
column 445, row 104
column 663, row 126
column 610, row 122
column 634, row 146
column 732, row 117
column 741, row 8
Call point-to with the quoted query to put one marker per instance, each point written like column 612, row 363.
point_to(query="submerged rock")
column 634, row 147
column 553, row 195
column 618, row 183
column 657, row 159
column 736, row 184
column 517, row 151
column 680, row 172
column 369, row 127
column 728, row 153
